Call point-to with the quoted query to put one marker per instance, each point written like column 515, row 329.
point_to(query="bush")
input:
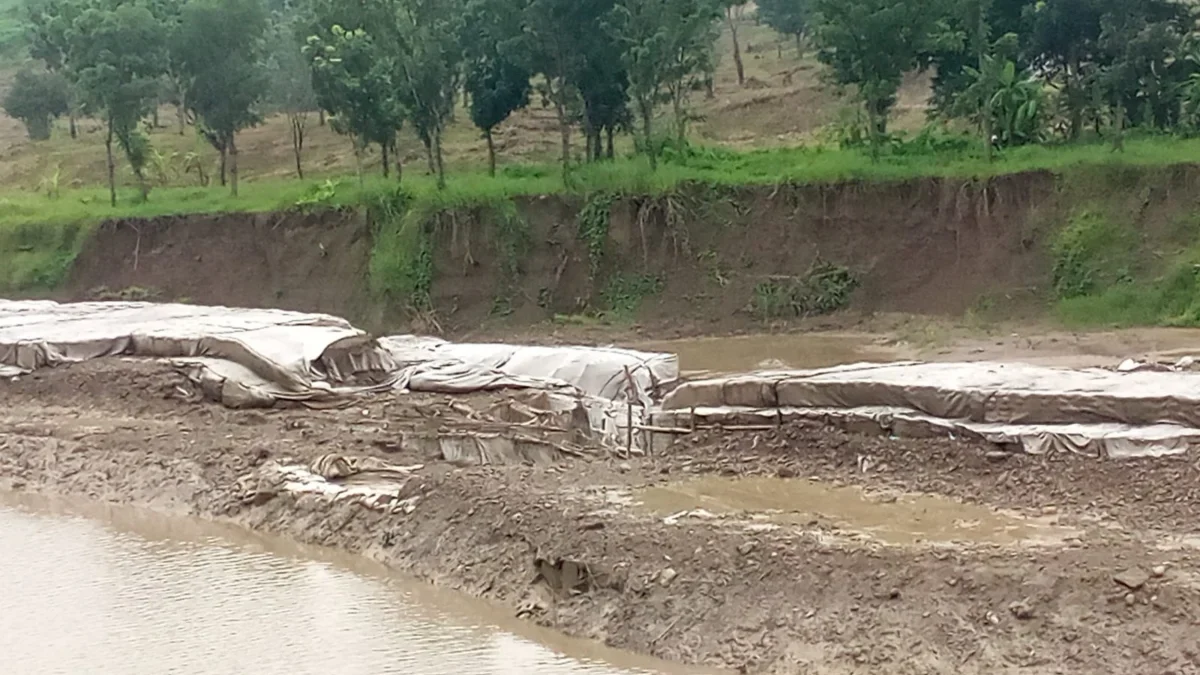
column 37, row 98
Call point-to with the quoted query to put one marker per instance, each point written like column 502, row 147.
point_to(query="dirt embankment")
column 312, row 262
column 698, row 259
column 695, row 256
column 567, row 545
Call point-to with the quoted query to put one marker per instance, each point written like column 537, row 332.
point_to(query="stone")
column 1159, row 570
column 1132, row 578
column 666, row 576
column 1021, row 609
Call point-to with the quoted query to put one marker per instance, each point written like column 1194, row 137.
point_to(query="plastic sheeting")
column 257, row 357
column 1094, row 411
column 605, row 372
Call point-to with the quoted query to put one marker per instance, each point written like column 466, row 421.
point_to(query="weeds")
column 823, row 289
column 623, row 294
column 594, row 219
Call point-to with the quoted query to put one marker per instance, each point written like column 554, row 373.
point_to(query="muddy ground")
column 1113, row 589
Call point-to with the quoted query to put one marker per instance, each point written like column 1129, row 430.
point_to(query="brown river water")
column 86, row 588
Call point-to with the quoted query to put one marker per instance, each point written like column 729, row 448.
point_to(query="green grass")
column 39, row 235
column 625, row 176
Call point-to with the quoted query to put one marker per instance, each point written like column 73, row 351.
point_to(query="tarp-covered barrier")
column 1094, row 411
column 258, row 357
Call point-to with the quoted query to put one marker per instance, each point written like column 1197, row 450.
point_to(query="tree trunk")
column 491, row 145
column 71, row 123
column 387, row 166
column 608, row 149
column 154, row 117
column 112, row 165
column 564, row 129
column 321, row 117
column 587, row 138
column 737, row 48
column 709, row 89
column 647, row 110
column 680, row 122
column 799, row 45
column 428, row 142
column 1119, row 129
column 224, row 149
column 437, row 154
column 233, row 165
column 298, row 123
column 399, row 167
column 1076, row 110
column 181, row 113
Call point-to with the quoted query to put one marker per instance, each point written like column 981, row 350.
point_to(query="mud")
column 568, row 545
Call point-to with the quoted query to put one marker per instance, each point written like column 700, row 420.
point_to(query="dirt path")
column 779, row 590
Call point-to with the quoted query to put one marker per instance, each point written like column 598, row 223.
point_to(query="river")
column 86, row 588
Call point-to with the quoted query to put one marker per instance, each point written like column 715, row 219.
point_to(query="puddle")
column 757, row 352
column 890, row 518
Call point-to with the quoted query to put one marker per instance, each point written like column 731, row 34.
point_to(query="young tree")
column 731, row 8
column 352, row 78
column 48, row 29
column 115, row 59
column 290, row 90
column 603, row 88
column 666, row 44
column 788, row 17
column 37, row 99
column 554, row 30
column 871, row 44
column 430, row 68
column 496, row 82
column 220, row 43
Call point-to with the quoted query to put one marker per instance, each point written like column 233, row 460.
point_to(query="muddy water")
column 119, row 592
column 892, row 518
column 752, row 352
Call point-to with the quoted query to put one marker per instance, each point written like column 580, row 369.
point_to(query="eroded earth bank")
column 796, row 549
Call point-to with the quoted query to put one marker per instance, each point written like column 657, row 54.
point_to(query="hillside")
column 771, row 110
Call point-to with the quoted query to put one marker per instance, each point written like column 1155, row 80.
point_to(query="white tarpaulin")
column 605, row 372
column 255, row 357
column 1117, row 414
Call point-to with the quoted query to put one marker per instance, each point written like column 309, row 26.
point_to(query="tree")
column 429, row 68
column 48, row 30
column 496, row 82
column 352, row 78
column 220, row 44
column 115, row 58
column 603, row 86
column 290, row 90
column 554, row 30
column 170, row 14
column 666, row 44
column 788, row 17
column 37, row 99
column 871, row 44
column 730, row 8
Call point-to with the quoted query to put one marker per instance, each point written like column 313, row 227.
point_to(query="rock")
column 1130, row 599
column 1021, row 609
column 625, row 467
column 746, row 548
column 1159, row 570
column 997, row 455
column 786, row 472
column 666, row 576
column 1133, row 578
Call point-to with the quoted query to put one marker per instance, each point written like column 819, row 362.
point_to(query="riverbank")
column 1073, row 565
column 1088, row 244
